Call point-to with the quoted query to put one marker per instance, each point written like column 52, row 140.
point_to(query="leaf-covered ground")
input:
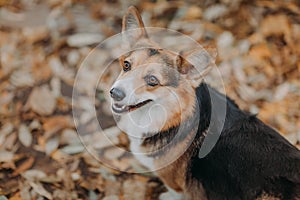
column 42, row 44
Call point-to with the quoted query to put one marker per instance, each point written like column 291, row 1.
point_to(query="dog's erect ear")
column 133, row 26
column 195, row 64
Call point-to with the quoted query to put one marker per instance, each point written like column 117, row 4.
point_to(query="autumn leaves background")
column 43, row 43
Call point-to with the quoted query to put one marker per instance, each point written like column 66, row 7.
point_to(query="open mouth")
column 123, row 108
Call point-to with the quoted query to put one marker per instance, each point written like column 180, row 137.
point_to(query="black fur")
column 249, row 158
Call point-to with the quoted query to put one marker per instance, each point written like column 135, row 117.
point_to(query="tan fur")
column 174, row 175
column 186, row 95
column 178, row 98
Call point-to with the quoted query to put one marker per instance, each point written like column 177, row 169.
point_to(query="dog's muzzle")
column 117, row 94
column 117, row 108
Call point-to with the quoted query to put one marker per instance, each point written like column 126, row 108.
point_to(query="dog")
column 162, row 102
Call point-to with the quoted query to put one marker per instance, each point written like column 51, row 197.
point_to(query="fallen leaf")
column 270, row 26
column 112, row 188
column 38, row 188
column 54, row 124
column 25, row 135
column 260, row 51
column 6, row 156
column 136, row 186
column 73, row 149
column 42, row 101
column 51, row 145
column 69, row 136
column 34, row 175
column 36, row 34
column 25, row 191
column 6, row 130
column 61, row 194
column 215, row 11
column 281, row 91
column 65, row 176
column 24, row 166
column 113, row 153
column 21, row 78
column 84, row 39
column 111, row 197
column 92, row 195
column 61, row 71
column 16, row 197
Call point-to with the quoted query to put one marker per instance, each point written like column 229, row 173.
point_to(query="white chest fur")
column 135, row 144
column 135, row 131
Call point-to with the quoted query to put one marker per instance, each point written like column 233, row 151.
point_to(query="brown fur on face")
column 178, row 95
column 178, row 78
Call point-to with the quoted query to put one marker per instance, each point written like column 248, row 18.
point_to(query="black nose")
column 117, row 94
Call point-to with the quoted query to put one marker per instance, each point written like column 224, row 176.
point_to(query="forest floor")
column 42, row 45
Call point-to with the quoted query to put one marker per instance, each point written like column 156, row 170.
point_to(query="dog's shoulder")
column 248, row 157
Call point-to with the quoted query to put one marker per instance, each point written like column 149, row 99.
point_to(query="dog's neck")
column 158, row 143
column 193, row 128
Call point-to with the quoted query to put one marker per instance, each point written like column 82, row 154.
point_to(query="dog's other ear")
column 133, row 26
column 195, row 64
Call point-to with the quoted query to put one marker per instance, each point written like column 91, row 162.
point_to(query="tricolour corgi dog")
column 161, row 101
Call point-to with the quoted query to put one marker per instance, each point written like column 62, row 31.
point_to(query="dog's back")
column 249, row 159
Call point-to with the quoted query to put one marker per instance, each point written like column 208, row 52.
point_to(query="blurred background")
column 42, row 44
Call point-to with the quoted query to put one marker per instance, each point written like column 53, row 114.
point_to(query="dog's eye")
column 126, row 66
column 152, row 81
column 152, row 52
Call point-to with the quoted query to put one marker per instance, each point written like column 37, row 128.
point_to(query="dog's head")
column 156, row 87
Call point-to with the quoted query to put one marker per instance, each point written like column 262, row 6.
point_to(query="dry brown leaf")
column 260, row 51
column 51, row 145
column 277, row 25
column 61, row 71
column 61, row 194
column 94, row 183
column 6, row 156
column 34, row 175
column 111, row 197
column 84, row 39
column 193, row 12
column 136, row 186
column 42, row 101
column 73, row 149
column 10, row 141
column 113, row 153
column 41, row 72
column 21, row 78
column 281, row 92
column 24, row 166
column 16, row 197
column 69, row 136
column 112, row 187
column 25, row 191
column 38, row 188
column 65, row 176
column 25, row 135
column 5, row 130
column 56, row 123
column 60, row 156
column 36, row 34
